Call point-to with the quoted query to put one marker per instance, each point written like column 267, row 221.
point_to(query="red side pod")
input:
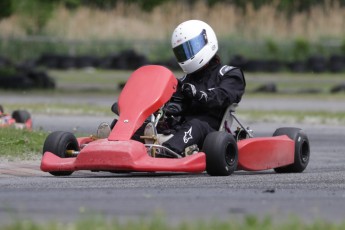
column 147, row 89
column 265, row 153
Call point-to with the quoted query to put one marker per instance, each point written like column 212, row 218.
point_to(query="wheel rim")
column 230, row 156
column 305, row 152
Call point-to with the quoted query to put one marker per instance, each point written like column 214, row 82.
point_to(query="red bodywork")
column 147, row 89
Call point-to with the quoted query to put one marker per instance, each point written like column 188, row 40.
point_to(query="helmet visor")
column 188, row 49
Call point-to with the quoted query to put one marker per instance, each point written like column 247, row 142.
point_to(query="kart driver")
column 206, row 90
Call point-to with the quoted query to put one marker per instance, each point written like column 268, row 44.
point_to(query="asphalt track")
column 319, row 192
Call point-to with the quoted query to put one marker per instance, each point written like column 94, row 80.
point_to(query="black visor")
column 191, row 47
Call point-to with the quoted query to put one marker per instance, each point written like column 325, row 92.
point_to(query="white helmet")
column 194, row 44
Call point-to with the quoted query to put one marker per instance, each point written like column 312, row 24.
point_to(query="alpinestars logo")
column 203, row 96
column 187, row 135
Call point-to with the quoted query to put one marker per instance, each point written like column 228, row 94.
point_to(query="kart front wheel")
column 221, row 153
column 58, row 143
column 302, row 150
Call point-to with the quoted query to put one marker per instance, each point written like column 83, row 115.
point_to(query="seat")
column 227, row 119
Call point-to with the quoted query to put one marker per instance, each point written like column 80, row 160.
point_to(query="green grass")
column 293, row 116
column 90, row 75
column 61, row 109
column 21, row 144
column 159, row 223
column 292, row 83
column 288, row 116
column 89, row 80
column 107, row 81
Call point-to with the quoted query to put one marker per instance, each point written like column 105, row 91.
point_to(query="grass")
column 159, row 223
column 91, row 76
column 108, row 78
column 97, row 81
column 292, row 116
column 291, row 83
column 61, row 109
column 288, row 116
column 21, row 144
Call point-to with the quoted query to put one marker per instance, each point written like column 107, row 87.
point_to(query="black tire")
column 21, row 116
column 1, row 109
column 113, row 123
column 302, row 150
column 57, row 143
column 115, row 108
column 221, row 153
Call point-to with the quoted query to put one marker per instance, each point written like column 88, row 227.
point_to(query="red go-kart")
column 20, row 119
column 141, row 103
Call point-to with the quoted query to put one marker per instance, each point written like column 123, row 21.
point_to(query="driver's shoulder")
column 223, row 70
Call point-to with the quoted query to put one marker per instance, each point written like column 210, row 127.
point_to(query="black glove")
column 190, row 91
column 173, row 108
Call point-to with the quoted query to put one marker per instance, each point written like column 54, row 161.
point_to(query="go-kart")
column 19, row 119
column 141, row 103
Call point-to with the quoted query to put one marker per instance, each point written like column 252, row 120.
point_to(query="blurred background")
column 258, row 35
column 38, row 37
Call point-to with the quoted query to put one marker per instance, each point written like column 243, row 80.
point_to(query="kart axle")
column 72, row 153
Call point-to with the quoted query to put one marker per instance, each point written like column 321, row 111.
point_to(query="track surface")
column 319, row 192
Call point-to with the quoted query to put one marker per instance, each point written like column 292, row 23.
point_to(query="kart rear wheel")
column 57, row 143
column 302, row 150
column 21, row 116
column 1, row 109
column 221, row 153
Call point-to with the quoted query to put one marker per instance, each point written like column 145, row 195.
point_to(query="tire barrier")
column 30, row 79
column 336, row 63
column 130, row 60
column 266, row 88
column 17, row 81
column 5, row 62
column 125, row 60
column 26, row 76
column 338, row 88
column 315, row 64
column 23, row 76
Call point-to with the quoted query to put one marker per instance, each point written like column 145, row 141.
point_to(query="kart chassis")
column 223, row 151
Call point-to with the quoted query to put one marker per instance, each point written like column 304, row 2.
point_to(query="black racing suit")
column 217, row 87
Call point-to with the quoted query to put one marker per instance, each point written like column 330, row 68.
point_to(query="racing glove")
column 173, row 108
column 190, row 91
